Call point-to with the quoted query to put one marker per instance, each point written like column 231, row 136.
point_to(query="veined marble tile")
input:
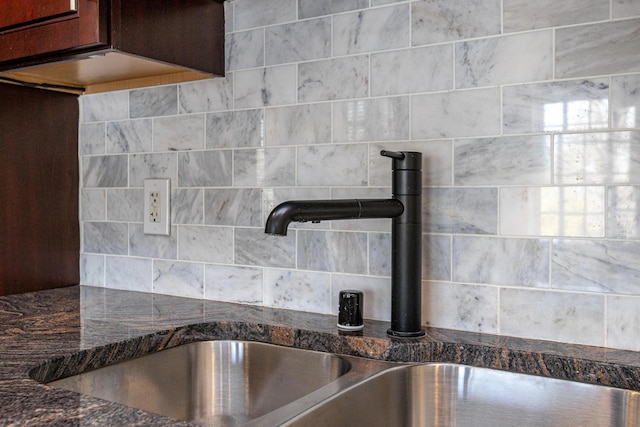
column 187, row 206
column 214, row 94
column 154, row 101
column 104, row 106
column 178, row 278
column 556, row 106
column 623, row 321
column 233, row 284
column 625, row 101
column 558, row 316
column 233, row 206
column 332, row 165
column 150, row 245
column 298, row 125
column 105, row 238
column 131, row 274
column 298, row 41
column 104, row 171
column 456, row 114
column 273, row 167
column 426, row 69
column 206, row 244
column 501, row 60
column 311, row 8
column 380, row 119
column 436, row 21
column 129, row 136
column 552, row 211
column 333, row 251
column 604, row 48
column 380, row 254
column 205, row 169
column 376, row 294
column 235, row 129
column 461, row 307
column 371, row 30
column 297, row 290
column 332, row 79
column 597, row 158
column 623, row 215
column 144, row 166
column 605, row 266
column 436, row 161
column 125, row 205
column 93, row 205
column 519, row 160
column 501, row 261
column 265, row 86
column 91, row 138
column 228, row 17
column 436, row 257
column 185, row 132
column 252, row 246
column 92, row 270
column 625, row 8
column 460, row 210
column 250, row 14
column 244, row 49
column 522, row 15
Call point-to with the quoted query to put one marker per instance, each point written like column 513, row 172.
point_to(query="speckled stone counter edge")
column 52, row 334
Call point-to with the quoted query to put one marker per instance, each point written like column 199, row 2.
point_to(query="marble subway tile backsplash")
column 528, row 117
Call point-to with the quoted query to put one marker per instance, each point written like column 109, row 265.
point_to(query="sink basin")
column 221, row 383
column 456, row 395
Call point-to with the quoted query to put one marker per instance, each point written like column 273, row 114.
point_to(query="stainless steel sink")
column 222, row 383
column 456, row 395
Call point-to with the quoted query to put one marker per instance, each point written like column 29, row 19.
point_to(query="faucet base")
column 400, row 334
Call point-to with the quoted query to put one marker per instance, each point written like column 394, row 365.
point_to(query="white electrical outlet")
column 157, row 206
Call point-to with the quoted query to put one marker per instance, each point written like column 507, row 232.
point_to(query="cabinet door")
column 18, row 13
column 39, row 230
column 49, row 26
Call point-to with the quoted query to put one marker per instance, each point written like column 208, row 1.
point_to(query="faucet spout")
column 405, row 208
column 325, row 210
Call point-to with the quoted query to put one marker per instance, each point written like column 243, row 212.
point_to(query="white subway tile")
column 557, row 316
column 508, row 59
column 371, row 30
column 455, row 114
column 552, row 211
column 426, row 69
column 521, row 15
column 603, row 48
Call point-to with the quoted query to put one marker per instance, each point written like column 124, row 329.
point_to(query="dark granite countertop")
column 51, row 334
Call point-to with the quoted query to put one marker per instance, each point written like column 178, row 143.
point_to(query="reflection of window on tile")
column 596, row 158
column 572, row 211
column 580, row 114
column 626, row 118
column 624, row 212
column 355, row 121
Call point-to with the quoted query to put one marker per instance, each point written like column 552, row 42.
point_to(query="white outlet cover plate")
column 163, row 187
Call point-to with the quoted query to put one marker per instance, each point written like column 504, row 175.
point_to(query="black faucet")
column 405, row 207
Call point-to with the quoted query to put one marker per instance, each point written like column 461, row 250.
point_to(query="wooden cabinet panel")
column 39, row 226
column 83, row 29
column 185, row 37
column 18, row 13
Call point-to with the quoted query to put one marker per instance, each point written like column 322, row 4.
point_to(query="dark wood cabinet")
column 18, row 13
column 98, row 45
column 39, row 225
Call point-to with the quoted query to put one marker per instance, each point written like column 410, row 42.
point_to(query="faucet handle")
column 392, row 154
